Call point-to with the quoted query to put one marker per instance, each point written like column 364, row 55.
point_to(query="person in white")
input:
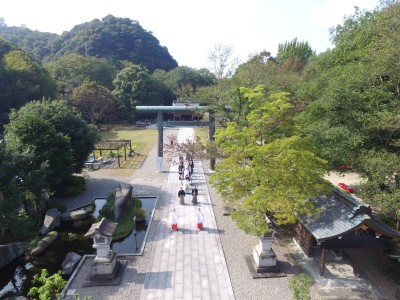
column 173, row 219
column 200, row 219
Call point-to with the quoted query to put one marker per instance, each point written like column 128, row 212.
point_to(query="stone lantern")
column 105, row 269
column 263, row 255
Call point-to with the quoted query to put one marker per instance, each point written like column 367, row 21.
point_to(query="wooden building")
column 343, row 223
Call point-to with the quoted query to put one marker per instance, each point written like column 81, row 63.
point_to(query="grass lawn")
column 143, row 140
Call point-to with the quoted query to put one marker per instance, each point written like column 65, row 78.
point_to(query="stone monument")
column 263, row 263
column 106, row 269
column 263, row 255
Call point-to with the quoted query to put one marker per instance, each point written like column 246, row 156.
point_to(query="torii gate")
column 160, row 125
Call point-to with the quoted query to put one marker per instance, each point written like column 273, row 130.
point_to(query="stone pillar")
column 211, row 133
column 160, row 127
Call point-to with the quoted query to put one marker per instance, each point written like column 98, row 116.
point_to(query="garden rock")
column 70, row 262
column 45, row 242
column 51, row 220
column 123, row 196
column 74, row 215
column 10, row 252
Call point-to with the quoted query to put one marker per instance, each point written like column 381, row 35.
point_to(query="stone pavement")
column 188, row 263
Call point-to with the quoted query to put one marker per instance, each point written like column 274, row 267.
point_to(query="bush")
column 136, row 202
column 107, row 211
column 139, row 213
column 300, row 286
column 75, row 186
column 51, row 286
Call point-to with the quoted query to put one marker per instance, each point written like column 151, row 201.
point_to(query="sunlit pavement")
column 188, row 263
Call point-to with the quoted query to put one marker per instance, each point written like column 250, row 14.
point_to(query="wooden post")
column 322, row 262
column 356, row 264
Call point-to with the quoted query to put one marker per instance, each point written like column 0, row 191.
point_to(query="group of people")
column 185, row 173
column 174, row 219
column 182, row 193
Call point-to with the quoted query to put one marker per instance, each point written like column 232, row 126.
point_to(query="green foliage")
column 295, row 53
column 22, row 80
column 116, row 39
column 184, row 81
column 50, row 288
column 300, row 286
column 382, row 189
column 73, row 70
column 55, row 134
column 136, row 202
column 95, row 102
column 133, row 86
column 71, row 236
column 139, row 213
column 267, row 168
column 107, row 211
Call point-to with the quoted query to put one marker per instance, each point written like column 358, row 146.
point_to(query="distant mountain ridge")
column 117, row 39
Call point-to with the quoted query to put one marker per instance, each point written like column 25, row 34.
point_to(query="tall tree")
column 268, row 169
column 133, row 86
column 222, row 60
column 72, row 70
column 95, row 102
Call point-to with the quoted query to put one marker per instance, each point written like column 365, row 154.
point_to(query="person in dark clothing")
column 195, row 192
column 181, row 195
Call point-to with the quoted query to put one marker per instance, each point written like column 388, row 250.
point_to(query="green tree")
column 73, row 70
column 353, row 91
column 381, row 186
column 184, row 81
column 95, row 102
column 21, row 80
column 294, row 54
column 70, row 138
column 267, row 168
column 133, row 86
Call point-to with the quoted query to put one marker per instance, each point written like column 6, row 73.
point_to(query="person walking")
column 181, row 195
column 200, row 219
column 173, row 219
column 195, row 192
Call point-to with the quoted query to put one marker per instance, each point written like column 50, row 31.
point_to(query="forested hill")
column 113, row 38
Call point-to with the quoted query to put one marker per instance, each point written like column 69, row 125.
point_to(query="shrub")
column 300, row 286
column 51, row 286
column 136, row 202
column 140, row 214
column 107, row 211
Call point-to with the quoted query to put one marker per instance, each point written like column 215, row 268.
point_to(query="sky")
column 192, row 29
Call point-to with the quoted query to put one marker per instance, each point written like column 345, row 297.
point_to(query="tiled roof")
column 340, row 213
column 104, row 227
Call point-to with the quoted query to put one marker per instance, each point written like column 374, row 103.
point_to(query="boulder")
column 123, row 199
column 44, row 242
column 75, row 215
column 70, row 262
column 51, row 220
column 10, row 252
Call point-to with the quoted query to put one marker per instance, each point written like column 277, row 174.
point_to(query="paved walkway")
column 188, row 263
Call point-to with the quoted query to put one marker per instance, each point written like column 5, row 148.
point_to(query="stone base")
column 264, row 258
column 106, row 279
column 262, row 272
